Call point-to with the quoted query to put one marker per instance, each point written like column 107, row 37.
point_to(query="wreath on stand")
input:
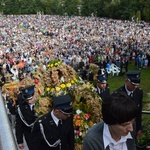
column 59, row 79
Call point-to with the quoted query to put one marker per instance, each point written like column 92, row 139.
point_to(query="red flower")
column 36, row 81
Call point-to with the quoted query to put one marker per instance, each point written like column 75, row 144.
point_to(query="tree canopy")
column 116, row 9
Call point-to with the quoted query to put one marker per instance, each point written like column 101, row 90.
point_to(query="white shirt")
column 56, row 120
column 31, row 106
column 128, row 92
column 113, row 145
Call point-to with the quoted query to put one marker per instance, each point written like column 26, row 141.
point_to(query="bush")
column 145, row 139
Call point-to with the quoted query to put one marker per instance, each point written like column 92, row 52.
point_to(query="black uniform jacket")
column 52, row 134
column 103, row 93
column 137, row 97
column 22, row 129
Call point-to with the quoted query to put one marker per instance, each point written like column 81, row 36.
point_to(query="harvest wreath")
column 59, row 79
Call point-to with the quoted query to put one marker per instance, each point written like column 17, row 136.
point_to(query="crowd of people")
column 30, row 41
column 76, row 41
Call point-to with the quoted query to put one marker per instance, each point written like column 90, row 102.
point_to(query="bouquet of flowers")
column 82, row 122
column 87, row 111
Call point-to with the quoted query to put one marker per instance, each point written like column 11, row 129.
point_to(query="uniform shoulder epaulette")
column 42, row 119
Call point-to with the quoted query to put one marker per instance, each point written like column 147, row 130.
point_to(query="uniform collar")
column 31, row 106
column 56, row 120
column 108, row 139
column 128, row 92
column 100, row 90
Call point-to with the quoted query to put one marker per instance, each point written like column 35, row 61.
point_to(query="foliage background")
column 117, row 9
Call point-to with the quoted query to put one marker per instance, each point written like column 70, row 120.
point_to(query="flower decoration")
column 87, row 111
column 54, row 63
column 82, row 122
column 63, row 89
column 59, row 79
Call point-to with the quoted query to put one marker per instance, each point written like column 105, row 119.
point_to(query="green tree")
column 89, row 7
column 118, row 9
column 145, row 14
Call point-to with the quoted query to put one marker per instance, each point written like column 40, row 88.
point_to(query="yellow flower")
column 72, row 81
column 52, row 89
column 52, row 65
column 75, row 79
column 62, row 86
column 47, row 89
column 48, row 65
column 56, row 64
column 68, row 85
column 58, row 88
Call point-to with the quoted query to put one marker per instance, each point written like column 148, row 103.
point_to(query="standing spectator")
column 20, row 74
column 99, row 59
column 2, row 79
column 145, row 62
column 124, row 65
column 14, row 71
column 12, row 109
column 25, row 116
column 116, row 130
column 131, row 89
column 91, row 59
column 30, row 68
column 102, row 87
column 90, row 76
column 84, row 73
column 8, row 66
column 54, row 131
column 81, row 64
column 138, row 61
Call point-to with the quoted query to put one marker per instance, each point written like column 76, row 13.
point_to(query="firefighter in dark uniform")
column 25, row 116
column 55, row 131
column 102, row 86
column 131, row 89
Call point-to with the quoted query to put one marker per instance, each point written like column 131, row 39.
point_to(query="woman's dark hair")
column 118, row 108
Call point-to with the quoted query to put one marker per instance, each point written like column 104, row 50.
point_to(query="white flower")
column 62, row 80
column 80, row 134
column 78, row 111
column 86, row 126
